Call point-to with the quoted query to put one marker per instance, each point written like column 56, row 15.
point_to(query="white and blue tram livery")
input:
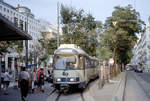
column 73, row 67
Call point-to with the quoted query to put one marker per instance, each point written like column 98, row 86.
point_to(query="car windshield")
column 65, row 62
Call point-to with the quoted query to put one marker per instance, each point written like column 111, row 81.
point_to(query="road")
column 75, row 95
column 133, row 89
column 145, row 76
column 14, row 94
column 50, row 94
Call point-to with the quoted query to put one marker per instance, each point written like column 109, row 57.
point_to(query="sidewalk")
column 108, row 92
column 14, row 94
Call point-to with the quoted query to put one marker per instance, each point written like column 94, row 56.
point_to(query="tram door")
column 82, row 66
column 87, row 69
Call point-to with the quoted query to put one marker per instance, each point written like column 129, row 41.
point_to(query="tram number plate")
column 64, row 85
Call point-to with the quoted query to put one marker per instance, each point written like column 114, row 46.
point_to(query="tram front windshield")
column 65, row 62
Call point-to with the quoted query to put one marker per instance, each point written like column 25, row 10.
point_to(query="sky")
column 100, row 9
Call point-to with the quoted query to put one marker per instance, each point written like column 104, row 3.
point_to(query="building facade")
column 23, row 18
column 141, row 50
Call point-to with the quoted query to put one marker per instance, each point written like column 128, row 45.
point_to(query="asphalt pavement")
column 14, row 94
column 91, row 93
column 134, row 90
column 137, row 89
column 145, row 76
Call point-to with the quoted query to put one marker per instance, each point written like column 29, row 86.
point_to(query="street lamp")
column 26, row 42
column 58, row 25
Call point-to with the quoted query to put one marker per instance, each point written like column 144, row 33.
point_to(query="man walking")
column 40, row 77
column 23, row 83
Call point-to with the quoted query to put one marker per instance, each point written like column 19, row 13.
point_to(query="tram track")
column 82, row 97
column 58, row 97
column 53, row 91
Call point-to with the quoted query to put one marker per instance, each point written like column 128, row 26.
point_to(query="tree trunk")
column 106, row 72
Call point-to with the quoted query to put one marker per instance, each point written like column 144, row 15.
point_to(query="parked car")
column 129, row 68
column 138, row 69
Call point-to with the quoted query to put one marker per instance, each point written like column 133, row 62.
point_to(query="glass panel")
column 81, row 62
column 65, row 62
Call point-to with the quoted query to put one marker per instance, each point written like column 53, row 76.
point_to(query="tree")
column 47, row 48
column 4, row 45
column 120, row 32
column 79, row 28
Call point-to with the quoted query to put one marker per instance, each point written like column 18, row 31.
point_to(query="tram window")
column 86, row 63
column 65, row 62
column 89, row 63
column 81, row 62
column 97, row 63
column 92, row 63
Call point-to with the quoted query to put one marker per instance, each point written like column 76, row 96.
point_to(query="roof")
column 70, row 48
column 11, row 32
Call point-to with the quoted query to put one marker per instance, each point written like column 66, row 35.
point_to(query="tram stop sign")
column 111, row 61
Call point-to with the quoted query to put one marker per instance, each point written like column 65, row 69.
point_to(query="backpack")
column 41, row 77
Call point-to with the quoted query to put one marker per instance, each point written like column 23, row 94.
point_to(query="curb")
column 120, row 89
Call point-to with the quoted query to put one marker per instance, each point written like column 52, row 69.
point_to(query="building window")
column 0, row 7
column 4, row 9
column 8, row 10
column 21, row 24
column 26, row 26
column 16, row 21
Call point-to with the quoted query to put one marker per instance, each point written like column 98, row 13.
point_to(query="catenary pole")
column 58, row 25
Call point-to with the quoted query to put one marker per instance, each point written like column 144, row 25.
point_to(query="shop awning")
column 8, row 31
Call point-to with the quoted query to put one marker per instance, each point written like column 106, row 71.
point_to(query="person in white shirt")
column 7, row 78
column 23, row 83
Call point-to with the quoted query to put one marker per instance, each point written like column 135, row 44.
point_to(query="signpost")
column 111, row 62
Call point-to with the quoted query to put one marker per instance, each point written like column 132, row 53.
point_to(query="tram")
column 73, row 67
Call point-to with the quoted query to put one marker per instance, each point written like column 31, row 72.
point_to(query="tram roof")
column 70, row 46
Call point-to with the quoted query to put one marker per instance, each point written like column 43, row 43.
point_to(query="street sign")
column 111, row 60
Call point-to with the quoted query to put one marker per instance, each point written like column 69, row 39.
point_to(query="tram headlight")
column 58, row 80
column 72, row 79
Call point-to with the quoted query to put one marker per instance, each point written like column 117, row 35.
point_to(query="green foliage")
column 105, row 53
column 4, row 47
column 120, row 32
column 7, row 46
column 79, row 28
column 47, row 48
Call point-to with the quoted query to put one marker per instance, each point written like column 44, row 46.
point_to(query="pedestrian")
column 6, row 81
column 40, row 77
column 23, row 83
